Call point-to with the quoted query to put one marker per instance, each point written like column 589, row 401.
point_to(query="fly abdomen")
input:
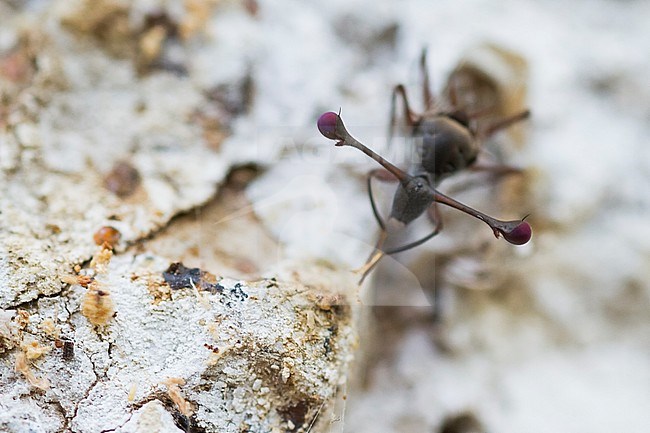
column 446, row 146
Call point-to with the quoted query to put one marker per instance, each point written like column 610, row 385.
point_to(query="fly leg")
column 434, row 216
column 503, row 124
column 378, row 253
column 496, row 169
column 427, row 95
column 384, row 176
column 410, row 116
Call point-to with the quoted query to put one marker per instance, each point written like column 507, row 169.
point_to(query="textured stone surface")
column 94, row 134
column 66, row 123
column 262, row 354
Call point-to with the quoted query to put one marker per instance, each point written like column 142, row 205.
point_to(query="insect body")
column 449, row 140
column 446, row 146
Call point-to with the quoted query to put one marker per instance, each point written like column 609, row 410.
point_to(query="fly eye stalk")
column 517, row 232
column 331, row 126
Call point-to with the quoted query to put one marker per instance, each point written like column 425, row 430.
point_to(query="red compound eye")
column 327, row 125
column 519, row 235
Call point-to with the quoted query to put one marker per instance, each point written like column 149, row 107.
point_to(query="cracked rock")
column 108, row 135
column 261, row 354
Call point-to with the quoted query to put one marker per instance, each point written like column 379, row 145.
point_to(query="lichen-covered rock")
column 81, row 149
column 262, row 355
column 106, row 134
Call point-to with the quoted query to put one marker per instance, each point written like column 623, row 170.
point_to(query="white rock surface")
column 260, row 354
column 81, row 112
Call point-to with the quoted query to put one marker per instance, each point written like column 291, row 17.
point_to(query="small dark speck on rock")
column 296, row 413
column 178, row 276
column 237, row 292
column 186, row 424
column 68, row 350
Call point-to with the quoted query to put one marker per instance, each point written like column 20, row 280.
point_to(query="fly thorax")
column 411, row 200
